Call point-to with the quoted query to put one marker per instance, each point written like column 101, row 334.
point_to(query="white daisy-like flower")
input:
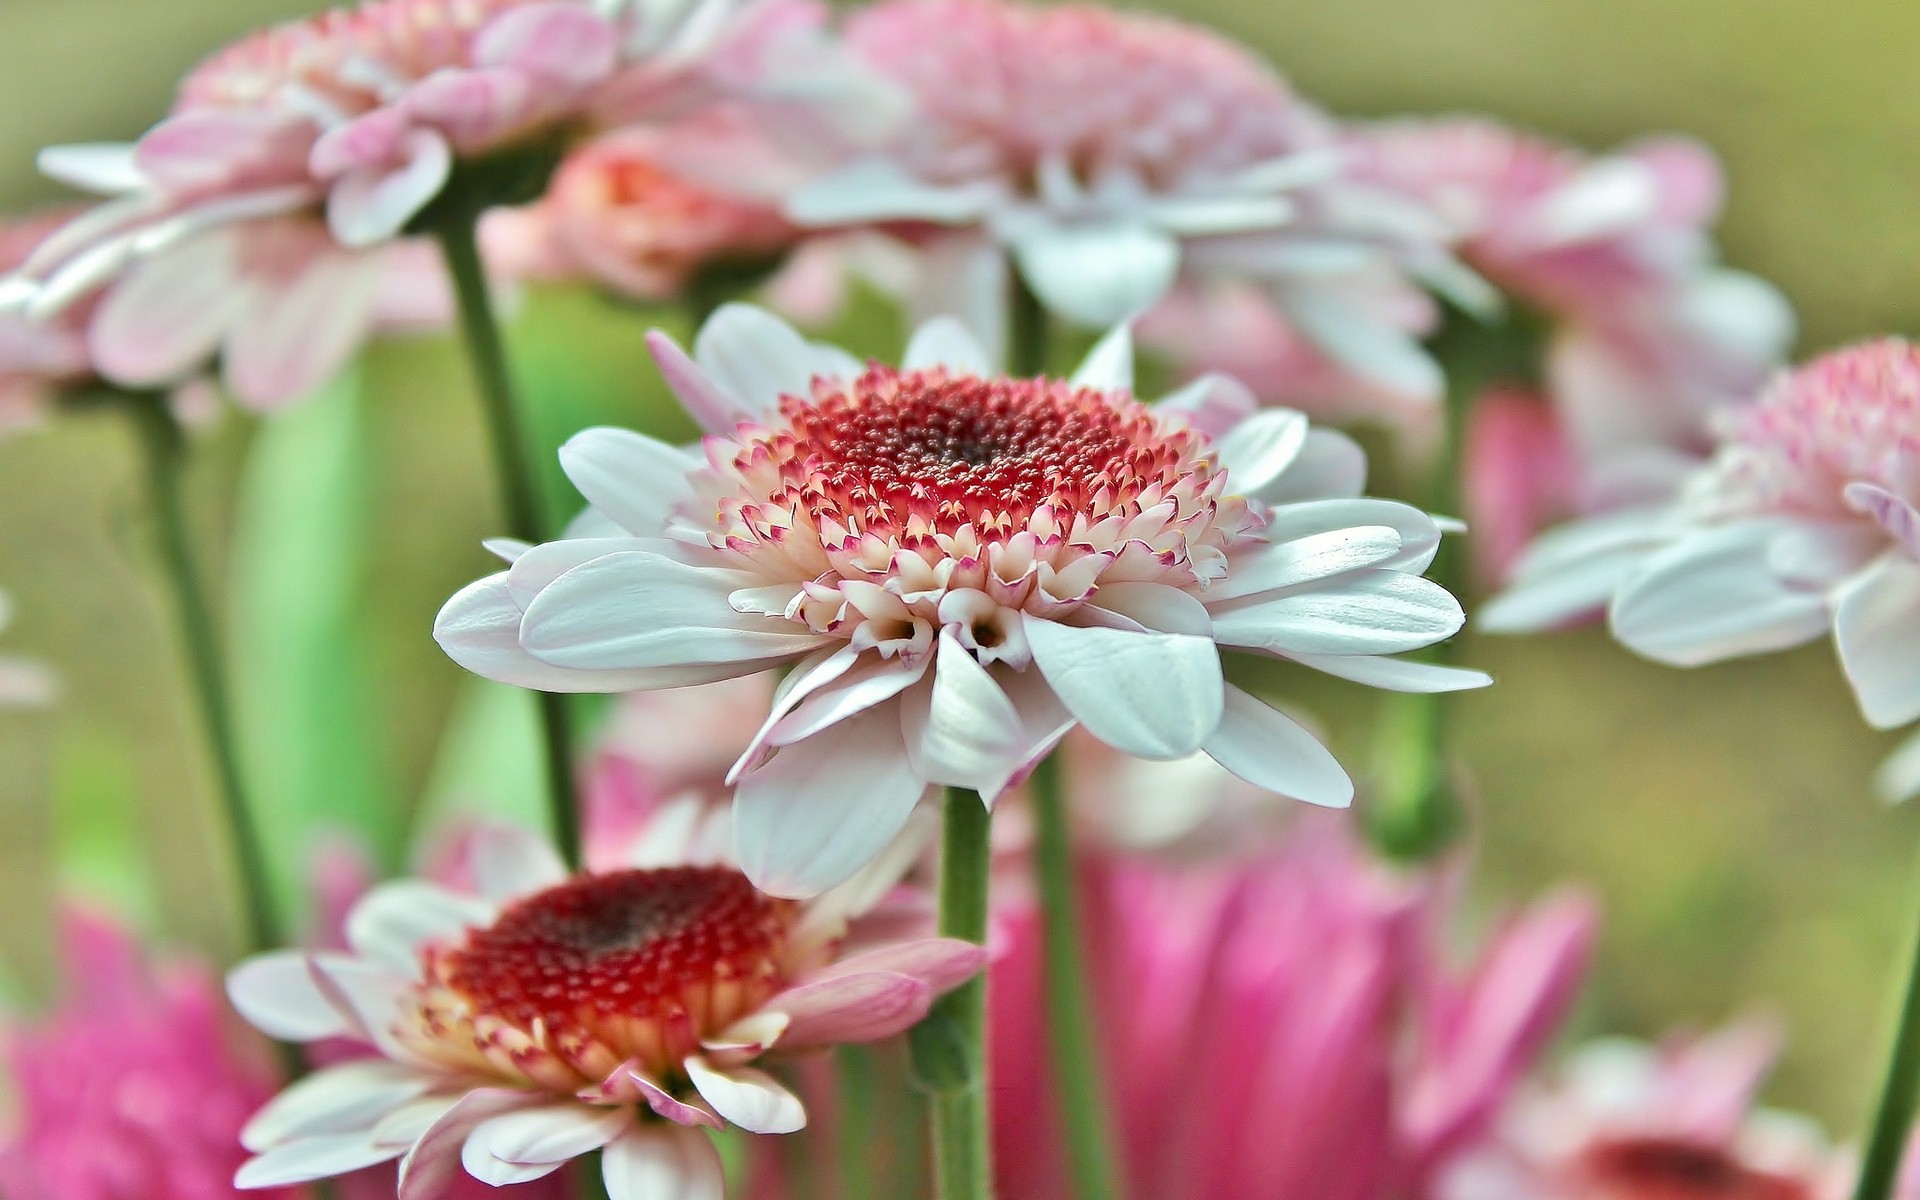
column 1803, row 522
column 959, row 568
column 549, row 1016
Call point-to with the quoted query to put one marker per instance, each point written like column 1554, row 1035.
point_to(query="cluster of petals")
column 625, row 211
column 37, row 358
column 135, row 1085
column 1103, row 152
column 1677, row 1121
column 258, row 220
column 544, row 1016
column 1286, row 1024
column 960, row 568
column 1804, row 521
column 1648, row 335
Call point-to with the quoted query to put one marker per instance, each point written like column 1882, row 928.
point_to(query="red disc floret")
column 931, row 451
column 638, row 956
column 1657, row 1168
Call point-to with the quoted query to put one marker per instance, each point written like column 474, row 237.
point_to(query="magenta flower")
column 1286, row 1026
column 135, row 1087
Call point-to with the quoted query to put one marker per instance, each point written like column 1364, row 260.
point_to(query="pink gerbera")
column 547, row 1016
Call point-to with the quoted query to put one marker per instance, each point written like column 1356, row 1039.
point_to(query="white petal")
column 1305, row 560
column 1258, row 450
column 165, row 319
column 1098, row 275
column 1155, row 608
column 1395, row 674
column 479, row 628
column 536, row 567
column 877, row 190
column 656, row 1162
column 711, row 407
column 395, row 920
column 629, row 476
column 751, row 1099
column 1330, row 465
column 945, row 342
column 1419, row 533
column 643, row 610
column 549, row 1133
column 510, row 862
column 313, row 1158
column 1270, row 750
column 1572, row 572
column 277, row 995
column 1352, row 335
column 429, row 1164
column 350, row 1097
column 1898, row 779
column 1363, row 612
column 106, row 168
column 755, row 357
column 962, row 731
column 1148, row 694
column 1876, row 625
column 1108, row 367
column 1714, row 595
column 820, row 809
column 1212, row 404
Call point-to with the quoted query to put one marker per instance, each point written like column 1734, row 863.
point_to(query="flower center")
column 629, row 964
column 926, row 452
column 1671, row 1169
column 1850, row 416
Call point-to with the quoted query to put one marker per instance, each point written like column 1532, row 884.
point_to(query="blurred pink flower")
column 623, row 211
column 1647, row 334
column 1105, row 152
column 1285, row 1025
column 137, row 1084
column 36, row 358
column 1517, row 475
column 1626, row 1121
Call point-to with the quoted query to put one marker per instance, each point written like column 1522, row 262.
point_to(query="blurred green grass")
column 1722, row 814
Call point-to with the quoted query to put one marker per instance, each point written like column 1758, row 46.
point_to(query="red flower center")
column 1652, row 1168
column 639, row 963
column 928, row 451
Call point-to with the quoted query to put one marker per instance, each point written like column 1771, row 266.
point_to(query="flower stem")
column 1893, row 1119
column 859, row 1101
column 164, row 450
column 1080, row 1095
column 1028, row 329
column 514, row 471
column 949, row 1046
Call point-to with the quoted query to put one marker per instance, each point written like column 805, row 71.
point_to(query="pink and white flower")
column 1803, row 522
column 1647, row 335
column 37, row 358
column 1623, row 1120
column 1101, row 151
column 960, row 568
column 1285, row 1024
column 547, row 1016
column 137, row 1084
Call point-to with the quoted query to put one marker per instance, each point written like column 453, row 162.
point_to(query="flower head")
column 1803, row 521
column 1285, row 1024
column 1627, row 1121
column 961, row 568
column 552, row 1015
column 37, row 358
column 136, row 1084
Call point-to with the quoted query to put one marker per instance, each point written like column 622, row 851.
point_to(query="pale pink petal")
column 1212, row 404
column 208, row 149
column 661, row 1163
column 1271, row 750
column 751, row 1099
column 510, row 862
column 569, row 45
column 820, row 809
column 713, row 409
column 941, row 963
column 297, row 335
column 852, row 1008
column 372, row 204
column 1150, row 695
column 165, row 319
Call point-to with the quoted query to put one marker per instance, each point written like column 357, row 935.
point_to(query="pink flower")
column 1517, row 476
column 1648, row 336
column 960, row 568
column 136, row 1087
column 1286, row 1025
column 37, row 358
column 1104, row 153
column 622, row 210
column 1627, row 1121
column 549, row 1015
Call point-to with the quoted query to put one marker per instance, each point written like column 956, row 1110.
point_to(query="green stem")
column 949, row 1046
column 1893, row 1119
column 512, row 445
column 859, row 1102
column 1080, row 1095
column 164, row 451
column 1027, row 328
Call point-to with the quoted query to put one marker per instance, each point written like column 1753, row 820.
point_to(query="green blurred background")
column 1722, row 814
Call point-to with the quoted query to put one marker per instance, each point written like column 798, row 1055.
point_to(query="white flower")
column 959, row 568
column 549, row 1016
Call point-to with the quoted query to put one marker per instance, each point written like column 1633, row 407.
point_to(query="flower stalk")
column 1899, row 1097
column 456, row 229
column 950, row 1046
column 163, row 449
column 1080, row 1094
